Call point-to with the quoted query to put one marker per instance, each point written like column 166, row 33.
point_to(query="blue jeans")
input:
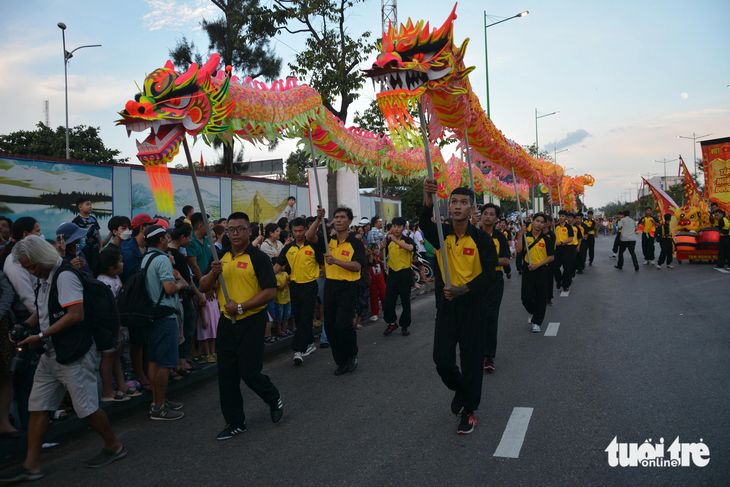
column 163, row 338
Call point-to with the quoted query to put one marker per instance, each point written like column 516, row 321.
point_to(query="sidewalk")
column 14, row 450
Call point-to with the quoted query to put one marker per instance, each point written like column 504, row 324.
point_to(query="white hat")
column 364, row 221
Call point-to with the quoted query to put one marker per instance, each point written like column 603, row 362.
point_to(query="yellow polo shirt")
column 304, row 261
column 540, row 251
column 246, row 275
column 350, row 250
column 398, row 257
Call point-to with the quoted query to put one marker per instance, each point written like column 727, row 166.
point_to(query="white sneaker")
column 669, row 266
column 535, row 328
column 529, row 319
column 310, row 350
column 374, row 318
column 298, row 360
column 658, row 266
column 612, row 256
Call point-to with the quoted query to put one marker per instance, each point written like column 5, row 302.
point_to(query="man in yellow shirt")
column 344, row 259
column 399, row 250
column 251, row 285
column 471, row 258
column 303, row 258
column 564, row 252
column 535, row 278
column 723, row 224
column 647, row 236
column 591, row 225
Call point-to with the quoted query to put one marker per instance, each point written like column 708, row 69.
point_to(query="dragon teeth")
column 155, row 126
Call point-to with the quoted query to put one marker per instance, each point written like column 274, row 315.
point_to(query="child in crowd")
column 107, row 270
column 282, row 312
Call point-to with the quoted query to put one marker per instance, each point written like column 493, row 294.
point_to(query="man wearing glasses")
column 251, row 284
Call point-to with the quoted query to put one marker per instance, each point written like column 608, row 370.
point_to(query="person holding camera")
column 68, row 362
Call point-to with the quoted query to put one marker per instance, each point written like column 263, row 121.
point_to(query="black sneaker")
column 405, row 332
column 106, row 457
column 324, row 345
column 489, row 364
column 509, row 275
column 342, row 369
column 231, row 430
column 352, row 364
column 557, row 284
column 456, row 405
column 467, row 423
column 617, row 267
column 391, row 328
column 277, row 410
column 165, row 414
column 636, row 268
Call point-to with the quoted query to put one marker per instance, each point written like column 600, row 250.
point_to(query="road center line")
column 514, row 433
column 552, row 329
column 564, row 294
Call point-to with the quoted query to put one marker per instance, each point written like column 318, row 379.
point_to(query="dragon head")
column 173, row 104
column 412, row 60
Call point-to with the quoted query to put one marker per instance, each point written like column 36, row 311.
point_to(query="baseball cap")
column 364, row 221
column 142, row 219
column 153, row 230
column 71, row 232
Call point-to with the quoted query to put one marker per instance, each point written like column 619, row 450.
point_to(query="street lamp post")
column 66, row 56
column 694, row 140
column 486, row 55
column 640, row 184
column 537, row 148
column 665, row 162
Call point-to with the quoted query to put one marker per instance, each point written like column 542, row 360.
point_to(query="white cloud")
column 165, row 14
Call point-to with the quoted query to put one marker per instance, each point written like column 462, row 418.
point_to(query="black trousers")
column 339, row 309
column 565, row 258
column 303, row 301
column 240, row 348
column 723, row 256
column 580, row 256
column 493, row 301
column 398, row 284
column 616, row 242
column 591, row 248
column 630, row 245
column 461, row 322
column 551, row 281
column 666, row 248
column 534, row 292
column 647, row 246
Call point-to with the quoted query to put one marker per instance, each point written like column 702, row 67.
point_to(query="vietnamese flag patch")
column 468, row 251
column 241, row 265
column 541, row 245
column 307, row 252
column 345, row 253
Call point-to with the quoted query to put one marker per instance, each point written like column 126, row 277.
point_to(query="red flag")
column 690, row 187
column 468, row 251
column 665, row 202
column 201, row 160
column 241, row 265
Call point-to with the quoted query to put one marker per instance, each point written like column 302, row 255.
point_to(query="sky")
column 627, row 77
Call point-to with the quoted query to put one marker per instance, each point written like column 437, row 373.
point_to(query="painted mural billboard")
column 143, row 201
column 263, row 202
column 47, row 191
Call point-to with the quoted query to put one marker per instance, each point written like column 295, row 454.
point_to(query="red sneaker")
column 391, row 328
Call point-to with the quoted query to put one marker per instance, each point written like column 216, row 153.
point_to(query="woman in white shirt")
column 271, row 245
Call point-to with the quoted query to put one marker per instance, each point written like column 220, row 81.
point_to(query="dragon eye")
column 418, row 57
column 177, row 102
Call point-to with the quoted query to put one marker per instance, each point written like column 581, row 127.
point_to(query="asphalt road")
column 637, row 356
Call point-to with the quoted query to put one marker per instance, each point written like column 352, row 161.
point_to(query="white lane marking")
column 724, row 271
column 564, row 294
column 514, row 433
column 552, row 329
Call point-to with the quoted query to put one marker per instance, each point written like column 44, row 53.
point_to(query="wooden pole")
column 434, row 196
column 208, row 231
column 319, row 193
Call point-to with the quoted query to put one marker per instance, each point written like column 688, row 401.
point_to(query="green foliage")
column 185, row 53
column 84, row 144
column 296, row 167
column 372, row 119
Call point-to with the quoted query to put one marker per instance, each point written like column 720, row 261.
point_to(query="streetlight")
column 66, row 56
column 694, row 140
column 640, row 185
column 537, row 147
column 665, row 162
column 486, row 55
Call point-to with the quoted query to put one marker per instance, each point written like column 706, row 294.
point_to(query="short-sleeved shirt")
column 303, row 261
column 398, row 257
column 564, row 232
column 70, row 291
column 375, row 236
column 246, row 275
column 590, row 227
column 349, row 250
column 201, row 251
column 113, row 283
column 649, row 223
column 418, row 238
column 500, row 242
column 543, row 249
column 282, row 295
column 160, row 271
column 131, row 257
column 290, row 212
column 272, row 250
column 576, row 236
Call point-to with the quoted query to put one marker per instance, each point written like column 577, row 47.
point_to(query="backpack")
column 100, row 318
column 136, row 308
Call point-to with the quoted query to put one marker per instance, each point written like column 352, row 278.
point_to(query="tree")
column 241, row 37
column 296, row 167
column 331, row 57
column 84, row 144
